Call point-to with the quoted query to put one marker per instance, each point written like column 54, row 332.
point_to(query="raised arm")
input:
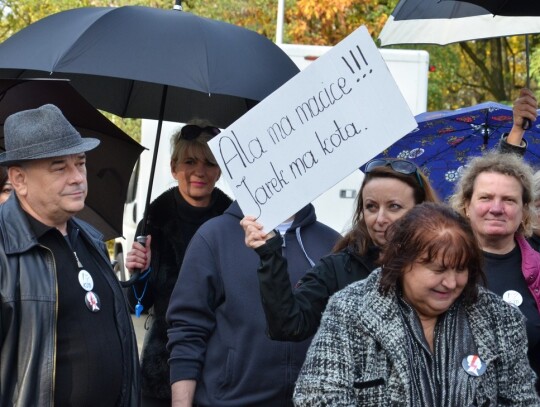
column 525, row 107
column 291, row 315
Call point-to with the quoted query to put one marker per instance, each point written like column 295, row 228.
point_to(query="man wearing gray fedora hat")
column 66, row 336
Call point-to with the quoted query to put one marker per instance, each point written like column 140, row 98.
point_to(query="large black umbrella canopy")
column 445, row 22
column 143, row 62
column 151, row 63
column 109, row 166
column 509, row 7
column 120, row 58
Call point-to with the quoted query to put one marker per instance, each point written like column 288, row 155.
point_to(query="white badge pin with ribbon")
column 474, row 365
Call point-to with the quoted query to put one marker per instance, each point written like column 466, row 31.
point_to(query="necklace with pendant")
column 91, row 299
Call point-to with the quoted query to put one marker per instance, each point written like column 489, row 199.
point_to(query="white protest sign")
column 312, row 132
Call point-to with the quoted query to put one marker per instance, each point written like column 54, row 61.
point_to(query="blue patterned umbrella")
column 444, row 141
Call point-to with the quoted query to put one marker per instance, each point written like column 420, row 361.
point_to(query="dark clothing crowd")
column 418, row 303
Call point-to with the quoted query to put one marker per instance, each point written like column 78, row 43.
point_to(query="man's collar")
column 40, row 228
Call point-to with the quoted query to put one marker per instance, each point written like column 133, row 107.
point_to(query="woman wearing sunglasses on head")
column 173, row 219
column 390, row 188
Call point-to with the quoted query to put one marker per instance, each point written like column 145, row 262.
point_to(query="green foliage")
column 462, row 74
column 475, row 71
column 256, row 15
column 17, row 14
column 132, row 127
column 326, row 22
column 534, row 45
column 443, row 75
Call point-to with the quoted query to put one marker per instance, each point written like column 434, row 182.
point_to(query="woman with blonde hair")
column 495, row 193
column 173, row 219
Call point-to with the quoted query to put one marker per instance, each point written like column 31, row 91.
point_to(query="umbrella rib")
column 208, row 87
column 78, row 38
column 128, row 99
column 473, row 133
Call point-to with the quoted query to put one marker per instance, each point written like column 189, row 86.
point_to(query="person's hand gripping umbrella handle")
column 135, row 257
column 524, row 111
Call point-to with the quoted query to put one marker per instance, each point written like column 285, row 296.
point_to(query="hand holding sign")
column 313, row 131
column 255, row 237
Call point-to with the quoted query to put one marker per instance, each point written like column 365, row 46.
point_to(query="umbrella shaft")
column 154, row 159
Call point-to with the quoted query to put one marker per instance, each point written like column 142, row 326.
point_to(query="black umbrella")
column 509, row 7
column 445, row 22
column 448, row 21
column 119, row 59
column 151, row 63
column 109, row 166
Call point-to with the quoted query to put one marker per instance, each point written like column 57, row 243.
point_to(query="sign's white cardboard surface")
column 312, row 132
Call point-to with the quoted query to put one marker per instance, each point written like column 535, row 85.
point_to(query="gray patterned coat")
column 358, row 357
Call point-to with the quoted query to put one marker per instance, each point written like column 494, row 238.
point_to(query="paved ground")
column 138, row 323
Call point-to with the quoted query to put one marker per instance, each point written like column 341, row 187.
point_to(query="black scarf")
column 438, row 378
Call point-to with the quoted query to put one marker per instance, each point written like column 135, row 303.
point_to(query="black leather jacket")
column 28, row 312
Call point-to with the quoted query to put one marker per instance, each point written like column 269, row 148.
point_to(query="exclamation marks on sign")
column 357, row 62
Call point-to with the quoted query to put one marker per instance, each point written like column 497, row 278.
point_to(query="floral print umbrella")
column 444, row 141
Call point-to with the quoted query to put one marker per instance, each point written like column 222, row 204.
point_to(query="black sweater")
column 172, row 222
column 295, row 315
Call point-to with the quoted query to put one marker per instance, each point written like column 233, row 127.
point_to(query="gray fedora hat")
column 41, row 133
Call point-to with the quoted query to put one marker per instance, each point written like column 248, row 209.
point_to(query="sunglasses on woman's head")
column 192, row 131
column 404, row 167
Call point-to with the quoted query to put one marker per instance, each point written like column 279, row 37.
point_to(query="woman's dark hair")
column 426, row 233
column 3, row 176
column 358, row 239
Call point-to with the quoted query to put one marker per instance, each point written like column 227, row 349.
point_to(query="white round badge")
column 513, row 298
column 85, row 280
